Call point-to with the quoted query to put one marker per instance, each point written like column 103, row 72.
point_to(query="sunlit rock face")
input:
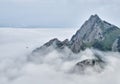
column 88, row 33
column 94, row 33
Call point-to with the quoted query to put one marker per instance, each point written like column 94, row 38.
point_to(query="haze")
column 56, row 13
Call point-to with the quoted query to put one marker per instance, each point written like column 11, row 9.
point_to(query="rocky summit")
column 94, row 33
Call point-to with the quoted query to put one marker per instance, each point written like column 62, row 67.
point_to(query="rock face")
column 49, row 46
column 87, row 34
column 96, row 64
column 94, row 33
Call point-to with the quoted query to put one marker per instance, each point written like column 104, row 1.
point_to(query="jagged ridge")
column 94, row 33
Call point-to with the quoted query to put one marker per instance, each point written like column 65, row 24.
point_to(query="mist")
column 16, row 46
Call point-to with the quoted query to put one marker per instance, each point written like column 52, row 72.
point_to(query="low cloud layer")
column 17, row 44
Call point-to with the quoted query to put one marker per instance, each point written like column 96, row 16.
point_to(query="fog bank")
column 17, row 44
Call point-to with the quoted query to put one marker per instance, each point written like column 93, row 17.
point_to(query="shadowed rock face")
column 116, row 45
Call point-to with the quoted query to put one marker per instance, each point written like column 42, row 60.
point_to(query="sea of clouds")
column 17, row 44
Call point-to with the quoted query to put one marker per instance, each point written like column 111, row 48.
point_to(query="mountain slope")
column 94, row 33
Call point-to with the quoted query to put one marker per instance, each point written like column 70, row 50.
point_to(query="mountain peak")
column 94, row 29
column 94, row 18
column 91, row 24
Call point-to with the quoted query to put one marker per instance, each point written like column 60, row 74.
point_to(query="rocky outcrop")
column 51, row 45
column 96, row 64
column 93, row 64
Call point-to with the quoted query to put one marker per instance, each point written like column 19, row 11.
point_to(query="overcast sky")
column 57, row 13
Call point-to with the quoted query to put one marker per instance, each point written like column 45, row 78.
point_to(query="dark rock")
column 93, row 64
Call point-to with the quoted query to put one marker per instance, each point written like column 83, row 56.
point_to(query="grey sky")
column 57, row 13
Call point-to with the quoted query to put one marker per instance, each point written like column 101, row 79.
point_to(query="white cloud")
column 14, row 69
